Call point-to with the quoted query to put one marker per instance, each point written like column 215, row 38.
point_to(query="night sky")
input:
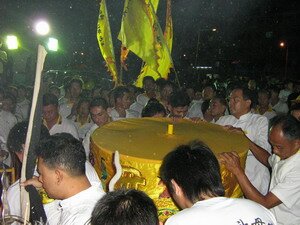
column 248, row 31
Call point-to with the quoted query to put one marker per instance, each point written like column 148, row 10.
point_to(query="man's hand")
column 231, row 160
column 33, row 181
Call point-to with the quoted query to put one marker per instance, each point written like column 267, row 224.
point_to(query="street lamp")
column 52, row 44
column 42, row 28
column 12, row 42
column 283, row 44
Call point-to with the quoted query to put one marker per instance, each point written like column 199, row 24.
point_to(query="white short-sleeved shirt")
column 87, row 140
column 65, row 108
column 130, row 113
column 195, row 110
column 64, row 126
column 76, row 209
column 14, row 196
column 82, row 129
column 285, row 185
column 225, row 211
column 256, row 129
column 22, row 110
column 281, row 107
column 7, row 121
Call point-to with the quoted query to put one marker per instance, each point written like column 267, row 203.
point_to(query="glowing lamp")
column 12, row 42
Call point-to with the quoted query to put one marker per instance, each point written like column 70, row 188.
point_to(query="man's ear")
column 59, row 176
column 249, row 102
column 176, row 188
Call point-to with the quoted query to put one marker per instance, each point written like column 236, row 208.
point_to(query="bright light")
column 52, row 44
column 12, row 42
column 42, row 28
column 214, row 29
column 282, row 44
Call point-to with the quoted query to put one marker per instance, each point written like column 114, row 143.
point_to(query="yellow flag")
column 165, row 61
column 105, row 41
column 139, row 31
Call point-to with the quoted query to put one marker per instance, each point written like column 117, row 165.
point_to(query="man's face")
column 166, row 92
column 75, row 90
column 263, row 99
column 48, row 178
column 149, row 86
column 216, row 107
column 126, row 100
column 237, row 105
column 208, row 93
column 179, row 112
column 50, row 113
column 99, row 115
column 282, row 147
column 83, row 110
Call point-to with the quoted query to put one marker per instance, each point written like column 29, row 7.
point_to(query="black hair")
column 148, row 78
column 152, row 108
column 98, row 101
column 290, row 126
column 50, row 99
column 119, row 92
column 179, row 99
column 17, row 136
column 205, row 106
column 195, row 169
column 248, row 95
column 125, row 207
column 64, row 151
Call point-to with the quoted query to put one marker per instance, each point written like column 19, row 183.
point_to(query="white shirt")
column 87, row 140
column 223, row 211
column 65, row 108
column 75, row 210
column 256, row 129
column 284, row 94
column 195, row 110
column 130, row 113
column 64, row 126
column 7, row 121
column 22, row 110
column 82, row 129
column 14, row 191
column 285, row 185
column 141, row 101
column 281, row 107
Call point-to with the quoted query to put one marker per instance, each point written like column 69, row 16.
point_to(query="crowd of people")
column 267, row 113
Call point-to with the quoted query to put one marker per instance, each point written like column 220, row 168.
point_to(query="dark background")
column 246, row 41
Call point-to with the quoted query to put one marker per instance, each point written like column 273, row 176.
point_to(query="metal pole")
column 286, row 61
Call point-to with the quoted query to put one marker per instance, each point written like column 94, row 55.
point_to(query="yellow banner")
column 105, row 41
column 165, row 60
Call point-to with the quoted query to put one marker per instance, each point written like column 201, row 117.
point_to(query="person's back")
column 192, row 176
column 225, row 211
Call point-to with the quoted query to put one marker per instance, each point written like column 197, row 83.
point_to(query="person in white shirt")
column 256, row 129
column 263, row 107
column 23, row 104
column 192, row 176
column 195, row 110
column 7, row 121
column 82, row 119
column 122, row 206
column 277, row 105
column 149, row 87
column 122, row 102
column 61, row 168
column 179, row 105
column 283, row 198
column 218, row 108
column 52, row 119
column 68, row 107
column 15, row 143
column 100, row 117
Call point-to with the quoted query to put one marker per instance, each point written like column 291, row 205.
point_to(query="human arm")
column 33, row 181
column 232, row 163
